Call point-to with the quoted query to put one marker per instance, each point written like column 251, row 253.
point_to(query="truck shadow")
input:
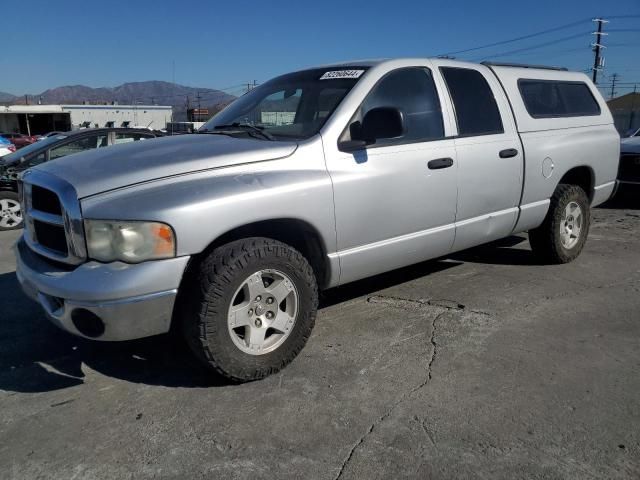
column 500, row 252
column 35, row 356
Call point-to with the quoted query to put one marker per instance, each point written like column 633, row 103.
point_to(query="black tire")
column 203, row 307
column 546, row 240
column 12, row 196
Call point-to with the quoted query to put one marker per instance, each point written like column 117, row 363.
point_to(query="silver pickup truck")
column 312, row 180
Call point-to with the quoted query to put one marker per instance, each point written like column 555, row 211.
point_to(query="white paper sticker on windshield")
column 342, row 74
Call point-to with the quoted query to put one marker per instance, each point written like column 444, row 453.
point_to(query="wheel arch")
column 298, row 233
column 582, row 176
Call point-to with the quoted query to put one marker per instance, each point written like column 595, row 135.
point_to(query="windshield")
column 15, row 157
column 295, row 105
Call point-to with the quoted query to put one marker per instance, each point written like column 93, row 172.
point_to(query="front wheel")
column 250, row 309
column 563, row 233
column 10, row 211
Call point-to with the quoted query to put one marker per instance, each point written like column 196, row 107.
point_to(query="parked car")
column 312, row 180
column 50, row 148
column 629, row 168
column 19, row 139
column 632, row 133
column 6, row 147
column 47, row 135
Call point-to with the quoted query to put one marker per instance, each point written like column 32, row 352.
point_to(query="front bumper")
column 127, row 301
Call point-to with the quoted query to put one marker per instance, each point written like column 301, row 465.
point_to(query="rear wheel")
column 563, row 233
column 250, row 308
column 10, row 211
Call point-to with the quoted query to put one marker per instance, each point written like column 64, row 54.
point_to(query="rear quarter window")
column 557, row 99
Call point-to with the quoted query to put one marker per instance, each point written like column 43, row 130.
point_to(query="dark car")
column 19, row 139
column 50, row 148
column 629, row 168
column 633, row 132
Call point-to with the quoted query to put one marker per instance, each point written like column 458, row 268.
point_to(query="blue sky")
column 219, row 45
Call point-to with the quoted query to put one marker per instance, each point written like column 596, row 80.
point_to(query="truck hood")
column 104, row 169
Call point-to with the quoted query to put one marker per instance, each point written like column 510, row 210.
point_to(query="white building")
column 39, row 119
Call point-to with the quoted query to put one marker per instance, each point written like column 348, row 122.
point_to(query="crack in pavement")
column 433, row 344
column 441, row 303
column 404, row 396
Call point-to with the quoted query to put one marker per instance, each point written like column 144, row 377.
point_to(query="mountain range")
column 147, row 93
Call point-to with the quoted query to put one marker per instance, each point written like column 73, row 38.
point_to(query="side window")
column 413, row 91
column 551, row 98
column 86, row 143
column 476, row 109
column 129, row 137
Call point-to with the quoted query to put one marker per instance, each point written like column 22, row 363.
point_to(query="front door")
column 395, row 201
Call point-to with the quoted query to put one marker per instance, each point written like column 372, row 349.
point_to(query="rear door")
column 489, row 154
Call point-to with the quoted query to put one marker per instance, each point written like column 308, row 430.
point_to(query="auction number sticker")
column 342, row 74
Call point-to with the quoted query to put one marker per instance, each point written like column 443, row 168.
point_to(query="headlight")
column 129, row 241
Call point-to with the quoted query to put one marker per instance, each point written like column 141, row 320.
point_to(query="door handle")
column 508, row 153
column 440, row 163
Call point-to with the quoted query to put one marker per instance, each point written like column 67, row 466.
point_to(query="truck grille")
column 45, row 200
column 53, row 224
column 51, row 236
column 629, row 169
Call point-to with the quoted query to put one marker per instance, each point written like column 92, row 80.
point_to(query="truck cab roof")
column 541, row 97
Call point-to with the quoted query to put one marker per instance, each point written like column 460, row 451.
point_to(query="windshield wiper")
column 245, row 127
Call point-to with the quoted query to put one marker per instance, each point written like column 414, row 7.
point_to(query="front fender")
column 203, row 206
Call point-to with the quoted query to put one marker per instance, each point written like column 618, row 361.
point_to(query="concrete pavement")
column 483, row 365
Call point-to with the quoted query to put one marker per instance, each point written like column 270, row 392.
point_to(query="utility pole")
column 614, row 79
column 598, row 61
column 173, row 89
column 251, row 86
column 632, row 113
column 198, row 97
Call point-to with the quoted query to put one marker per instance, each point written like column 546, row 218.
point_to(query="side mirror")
column 378, row 123
column 382, row 122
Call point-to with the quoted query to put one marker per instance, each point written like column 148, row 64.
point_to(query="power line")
column 517, row 39
column 536, row 34
column 552, row 42
column 558, row 53
column 618, row 84
column 633, row 15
